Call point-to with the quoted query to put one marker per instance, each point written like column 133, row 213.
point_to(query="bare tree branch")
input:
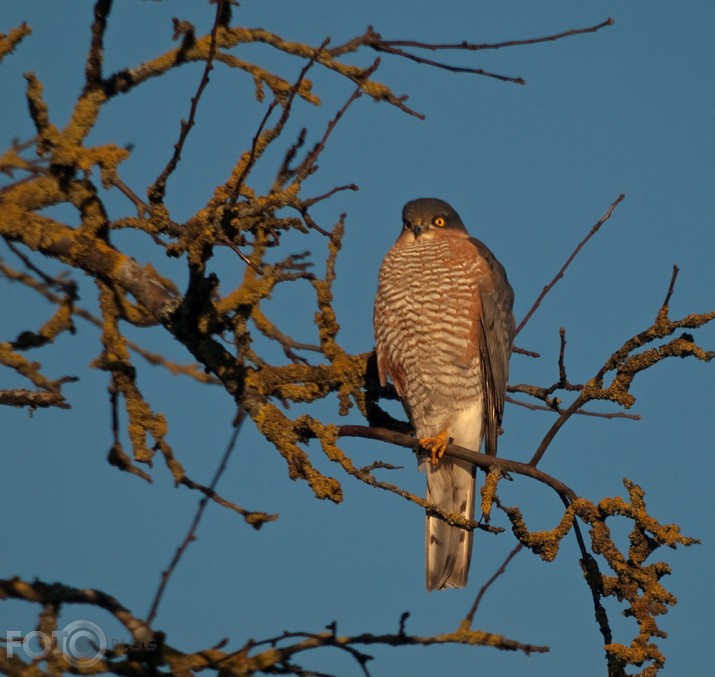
column 158, row 189
column 256, row 519
column 482, row 591
column 561, row 272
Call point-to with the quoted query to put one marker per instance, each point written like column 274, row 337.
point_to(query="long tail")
column 451, row 486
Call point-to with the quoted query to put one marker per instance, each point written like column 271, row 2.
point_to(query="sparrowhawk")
column 444, row 329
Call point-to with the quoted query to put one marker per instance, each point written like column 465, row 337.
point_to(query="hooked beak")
column 418, row 229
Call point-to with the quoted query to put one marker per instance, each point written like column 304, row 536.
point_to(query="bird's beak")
column 418, row 229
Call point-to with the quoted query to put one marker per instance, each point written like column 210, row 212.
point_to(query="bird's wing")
column 495, row 335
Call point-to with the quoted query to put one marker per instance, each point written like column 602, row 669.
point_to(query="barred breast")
column 425, row 314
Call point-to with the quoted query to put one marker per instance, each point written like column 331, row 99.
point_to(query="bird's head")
column 428, row 217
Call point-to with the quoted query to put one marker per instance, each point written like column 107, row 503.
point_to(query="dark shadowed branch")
column 482, row 460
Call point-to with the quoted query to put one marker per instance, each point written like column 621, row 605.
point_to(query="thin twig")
column 191, row 534
column 311, row 201
column 323, row 640
column 671, row 286
column 561, row 272
column 310, row 222
column 524, row 351
column 143, row 208
column 498, row 45
column 67, row 287
column 580, row 412
column 562, row 351
column 288, row 343
column 308, row 165
column 240, row 254
column 385, row 47
column 375, row 41
column 470, row 616
column 565, row 416
column 236, row 190
column 278, row 128
column 158, row 189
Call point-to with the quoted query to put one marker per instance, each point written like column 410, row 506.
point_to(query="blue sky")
column 530, row 169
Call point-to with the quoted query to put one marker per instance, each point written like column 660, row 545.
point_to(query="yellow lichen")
column 488, row 491
column 10, row 41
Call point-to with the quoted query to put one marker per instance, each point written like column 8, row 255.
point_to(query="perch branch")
column 482, row 460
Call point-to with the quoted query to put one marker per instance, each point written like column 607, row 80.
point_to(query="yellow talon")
column 436, row 446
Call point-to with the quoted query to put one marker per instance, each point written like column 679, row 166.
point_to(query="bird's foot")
column 436, row 446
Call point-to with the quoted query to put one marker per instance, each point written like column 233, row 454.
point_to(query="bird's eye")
column 406, row 225
column 439, row 221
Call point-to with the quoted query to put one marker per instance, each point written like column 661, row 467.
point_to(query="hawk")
column 444, row 329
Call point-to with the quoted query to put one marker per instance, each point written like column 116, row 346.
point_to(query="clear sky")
column 629, row 109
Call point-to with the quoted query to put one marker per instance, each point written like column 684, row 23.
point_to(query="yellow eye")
column 439, row 221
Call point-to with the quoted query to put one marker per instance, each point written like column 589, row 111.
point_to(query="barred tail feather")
column 450, row 486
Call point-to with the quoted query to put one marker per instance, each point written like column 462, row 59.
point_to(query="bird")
column 444, row 329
